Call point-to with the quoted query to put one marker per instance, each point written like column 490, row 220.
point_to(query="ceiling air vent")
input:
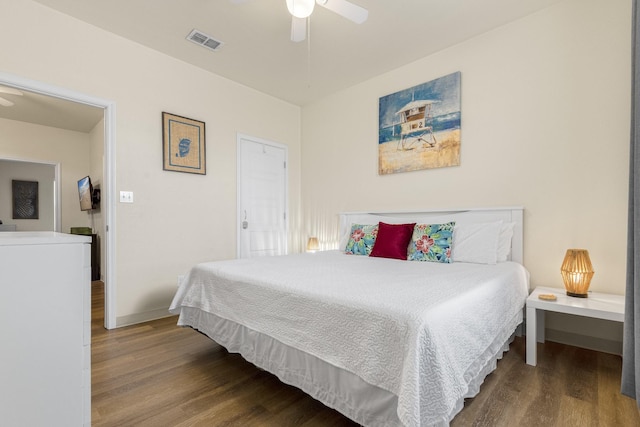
column 202, row 39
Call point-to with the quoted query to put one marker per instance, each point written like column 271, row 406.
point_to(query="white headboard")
column 460, row 216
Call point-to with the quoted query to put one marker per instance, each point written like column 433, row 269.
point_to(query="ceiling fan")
column 300, row 10
column 10, row 91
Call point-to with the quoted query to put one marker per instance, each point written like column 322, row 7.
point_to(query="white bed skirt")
column 337, row 388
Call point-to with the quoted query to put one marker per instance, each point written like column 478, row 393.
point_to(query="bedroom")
column 532, row 91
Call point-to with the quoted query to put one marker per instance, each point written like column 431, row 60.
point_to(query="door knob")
column 245, row 223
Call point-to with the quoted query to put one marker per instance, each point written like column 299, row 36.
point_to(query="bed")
column 387, row 342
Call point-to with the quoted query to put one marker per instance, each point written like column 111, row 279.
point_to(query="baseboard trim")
column 584, row 341
column 147, row 316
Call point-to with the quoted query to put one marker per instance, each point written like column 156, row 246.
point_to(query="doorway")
column 262, row 198
column 108, row 166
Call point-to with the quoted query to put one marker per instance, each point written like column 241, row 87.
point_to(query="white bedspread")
column 420, row 330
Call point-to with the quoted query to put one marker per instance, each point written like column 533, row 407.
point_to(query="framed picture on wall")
column 419, row 127
column 25, row 199
column 183, row 142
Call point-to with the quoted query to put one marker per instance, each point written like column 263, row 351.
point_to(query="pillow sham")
column 431, row 242
column 504, row 241
column 361, row 239
column 392, row 240
column 476, row 243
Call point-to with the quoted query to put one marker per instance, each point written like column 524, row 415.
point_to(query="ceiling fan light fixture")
column 301, row 8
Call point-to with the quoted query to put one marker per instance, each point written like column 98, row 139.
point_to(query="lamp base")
column 571, row 294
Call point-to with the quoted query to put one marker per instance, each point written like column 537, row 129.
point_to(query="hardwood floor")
column 157, row 374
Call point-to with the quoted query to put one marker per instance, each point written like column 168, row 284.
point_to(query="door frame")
column 239, row 219
column 109, row 167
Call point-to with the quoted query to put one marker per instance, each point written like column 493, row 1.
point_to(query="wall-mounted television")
column 89, row 197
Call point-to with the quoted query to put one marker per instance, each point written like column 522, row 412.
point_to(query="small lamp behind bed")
column 312, row 244
column 577, row 272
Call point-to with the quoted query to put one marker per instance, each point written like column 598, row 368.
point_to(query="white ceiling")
column 258, row 52
column 48, row 111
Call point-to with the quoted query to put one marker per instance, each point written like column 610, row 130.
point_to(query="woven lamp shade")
column 577, row 272
column 312, row 244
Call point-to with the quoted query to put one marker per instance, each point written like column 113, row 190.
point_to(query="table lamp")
column 577, row 272
column 312, row 244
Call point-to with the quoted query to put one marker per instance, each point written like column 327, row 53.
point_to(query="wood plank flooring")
column 157, row 374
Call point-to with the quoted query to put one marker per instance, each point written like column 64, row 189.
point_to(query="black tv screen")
column 85, row 192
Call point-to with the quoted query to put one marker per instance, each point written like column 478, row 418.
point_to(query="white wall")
column 545, row 125
column 26, row 141
column 177, row 219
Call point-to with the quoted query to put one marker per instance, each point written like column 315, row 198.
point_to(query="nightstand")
column 597, row 305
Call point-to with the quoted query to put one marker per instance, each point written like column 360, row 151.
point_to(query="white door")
column 262, row 198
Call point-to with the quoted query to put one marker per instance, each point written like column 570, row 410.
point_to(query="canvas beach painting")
column 419, row 127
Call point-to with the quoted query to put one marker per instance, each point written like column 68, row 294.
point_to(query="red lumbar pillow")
column 392, row 240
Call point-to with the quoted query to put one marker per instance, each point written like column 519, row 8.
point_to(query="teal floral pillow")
column 361, row 239
column 431, row 242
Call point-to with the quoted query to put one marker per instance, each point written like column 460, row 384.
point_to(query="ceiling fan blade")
column 298, row 29
column 346, row 9
column 5, row 102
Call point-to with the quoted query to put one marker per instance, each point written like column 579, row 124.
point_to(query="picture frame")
column 25, row 199
column 183, row 144
column 419, row 127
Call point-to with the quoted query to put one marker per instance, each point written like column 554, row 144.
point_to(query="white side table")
column 597, row 305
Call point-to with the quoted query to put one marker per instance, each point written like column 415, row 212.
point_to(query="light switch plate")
column 126, row 197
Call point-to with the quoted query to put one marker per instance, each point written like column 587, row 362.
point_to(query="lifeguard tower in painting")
column 416, row 121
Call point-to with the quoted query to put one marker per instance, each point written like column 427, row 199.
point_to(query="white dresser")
column 45, row 329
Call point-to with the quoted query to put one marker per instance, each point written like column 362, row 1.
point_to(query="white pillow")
column 504, row 241
column 344, row 238
column 476, row 242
